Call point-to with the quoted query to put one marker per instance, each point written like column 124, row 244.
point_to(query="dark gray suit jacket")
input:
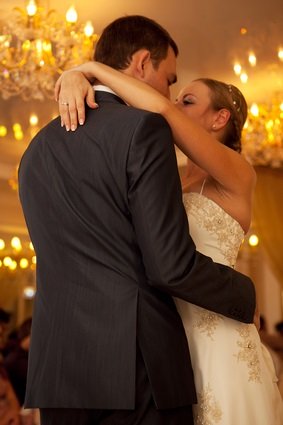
column 103, row 206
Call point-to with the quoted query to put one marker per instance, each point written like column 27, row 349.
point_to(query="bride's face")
column 194, row 100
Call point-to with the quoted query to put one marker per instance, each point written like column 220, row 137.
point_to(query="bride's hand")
column 72, row 89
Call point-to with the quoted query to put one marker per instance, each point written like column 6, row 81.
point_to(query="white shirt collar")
column 101, row 87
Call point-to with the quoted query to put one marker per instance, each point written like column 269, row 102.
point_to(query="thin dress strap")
column 202, row 186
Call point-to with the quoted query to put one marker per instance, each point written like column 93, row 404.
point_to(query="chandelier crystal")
column 263, row 133
column 36, row 46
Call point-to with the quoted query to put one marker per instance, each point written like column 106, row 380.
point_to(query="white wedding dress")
column 234, row 373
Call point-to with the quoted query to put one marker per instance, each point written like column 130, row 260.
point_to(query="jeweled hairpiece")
column 236, row 106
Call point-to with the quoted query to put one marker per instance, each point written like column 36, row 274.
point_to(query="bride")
column 234, row 374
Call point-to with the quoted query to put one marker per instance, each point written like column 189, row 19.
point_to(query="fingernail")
column 67, row 128
column 73, row 127
column 62, row 124
column 81, row 122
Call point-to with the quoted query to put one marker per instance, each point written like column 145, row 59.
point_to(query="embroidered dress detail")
column 216, row 221
column 209, row 411
column 206, row 322
column 234, row 374
column 248, row 353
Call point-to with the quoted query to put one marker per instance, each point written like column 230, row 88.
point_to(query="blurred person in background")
column 16, row 361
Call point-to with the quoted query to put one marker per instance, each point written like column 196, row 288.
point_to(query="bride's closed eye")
column 187, row 100
column 184, row 101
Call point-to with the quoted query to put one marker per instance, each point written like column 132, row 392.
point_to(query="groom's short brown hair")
column 125, row 36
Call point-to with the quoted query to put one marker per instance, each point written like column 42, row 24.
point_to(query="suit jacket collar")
column 103, row 96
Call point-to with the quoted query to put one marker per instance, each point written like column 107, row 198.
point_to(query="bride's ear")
column 223, row 116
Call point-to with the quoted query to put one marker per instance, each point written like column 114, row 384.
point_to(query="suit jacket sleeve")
column 171, row 261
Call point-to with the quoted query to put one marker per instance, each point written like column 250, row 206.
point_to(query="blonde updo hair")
column 228, row 97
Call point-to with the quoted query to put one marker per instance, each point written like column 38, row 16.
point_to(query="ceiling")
column 208, row 35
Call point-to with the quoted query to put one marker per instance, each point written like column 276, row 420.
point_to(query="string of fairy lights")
column 19, row 131
column 18, row 256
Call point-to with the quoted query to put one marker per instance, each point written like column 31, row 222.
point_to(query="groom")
column 103, row 206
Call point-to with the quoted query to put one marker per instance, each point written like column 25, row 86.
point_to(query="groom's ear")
column 140, row 61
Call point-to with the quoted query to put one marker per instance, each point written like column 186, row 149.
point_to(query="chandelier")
column 263, row 133
column 36, row 46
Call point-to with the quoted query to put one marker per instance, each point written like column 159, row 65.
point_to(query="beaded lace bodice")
column 219, row 344
column 213, row 230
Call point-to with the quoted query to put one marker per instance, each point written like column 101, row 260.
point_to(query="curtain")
column 268, row 216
